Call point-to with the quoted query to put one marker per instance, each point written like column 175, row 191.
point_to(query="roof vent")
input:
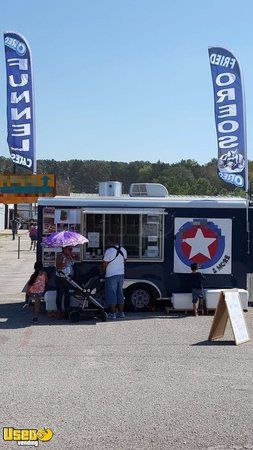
column 110, row 188
column 147, row 190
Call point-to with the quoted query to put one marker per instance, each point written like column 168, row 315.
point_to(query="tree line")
column 186, row 177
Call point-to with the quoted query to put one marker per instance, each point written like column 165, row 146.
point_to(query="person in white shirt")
column 114, row 265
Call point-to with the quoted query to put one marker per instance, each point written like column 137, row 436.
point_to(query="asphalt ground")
column 153, row 381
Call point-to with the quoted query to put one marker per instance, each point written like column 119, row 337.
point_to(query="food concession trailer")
column 162, row 236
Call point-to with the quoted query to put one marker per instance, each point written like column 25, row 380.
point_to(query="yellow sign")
column 28, row 436
column 26, row 188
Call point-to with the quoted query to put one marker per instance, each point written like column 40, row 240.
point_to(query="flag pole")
column 246, row 161
column 15, row 206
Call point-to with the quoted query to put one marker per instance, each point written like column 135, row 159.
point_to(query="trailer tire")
column 103, row 316
column 140, row 297
column 74, row 316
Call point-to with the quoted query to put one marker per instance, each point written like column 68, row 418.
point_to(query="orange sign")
column 26, row 188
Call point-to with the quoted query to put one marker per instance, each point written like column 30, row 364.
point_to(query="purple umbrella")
column 64, row 239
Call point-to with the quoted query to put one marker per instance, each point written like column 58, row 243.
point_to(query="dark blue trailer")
column 162, row 236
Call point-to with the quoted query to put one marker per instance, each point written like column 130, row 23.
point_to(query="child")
column 36, row 288
column 197, row 287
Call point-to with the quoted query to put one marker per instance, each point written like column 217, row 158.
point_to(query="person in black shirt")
column 197, row 287
column 14, row 226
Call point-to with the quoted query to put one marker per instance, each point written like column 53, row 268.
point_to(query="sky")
column 127, row 80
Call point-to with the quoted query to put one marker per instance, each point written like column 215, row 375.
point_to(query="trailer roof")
column 177, row 201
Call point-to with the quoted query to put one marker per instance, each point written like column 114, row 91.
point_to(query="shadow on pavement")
column 12, row 316
column 213, row 343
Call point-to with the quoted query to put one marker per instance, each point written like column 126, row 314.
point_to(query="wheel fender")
column 131, row 283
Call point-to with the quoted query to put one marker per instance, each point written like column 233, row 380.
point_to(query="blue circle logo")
column 200, row 241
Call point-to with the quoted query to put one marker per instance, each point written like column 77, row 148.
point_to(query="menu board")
column 49, row 255
column 48, row 221
column 57, row 220
column 67, row 216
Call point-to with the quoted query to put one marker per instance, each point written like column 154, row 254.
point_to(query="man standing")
column 14, row 227
column 114, row 266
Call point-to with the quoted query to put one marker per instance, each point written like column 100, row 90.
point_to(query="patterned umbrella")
column 64, row 239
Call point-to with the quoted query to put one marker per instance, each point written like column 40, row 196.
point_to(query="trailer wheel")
column 104, row 317
column 140, row 297
column 74, row 316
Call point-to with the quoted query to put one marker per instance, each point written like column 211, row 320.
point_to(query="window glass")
column 131, row 234
column 140, row 234
column 94, row 232
column 151, row 236
column 112, row 229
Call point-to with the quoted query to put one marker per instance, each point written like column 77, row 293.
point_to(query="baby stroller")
column 85, row 300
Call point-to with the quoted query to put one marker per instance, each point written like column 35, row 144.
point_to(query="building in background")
column 2, row 216
column 26, row 212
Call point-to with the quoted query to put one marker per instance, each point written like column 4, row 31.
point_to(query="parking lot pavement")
column 152, row 381
column 15, row 268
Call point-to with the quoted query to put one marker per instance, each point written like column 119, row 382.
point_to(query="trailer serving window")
column 141, row 233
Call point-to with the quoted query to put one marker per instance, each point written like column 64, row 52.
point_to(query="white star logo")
column 199, row 244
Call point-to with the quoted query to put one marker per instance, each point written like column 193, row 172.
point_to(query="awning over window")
column 149, row 211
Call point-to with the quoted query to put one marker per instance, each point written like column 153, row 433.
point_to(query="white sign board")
column 67, row 216
column 236, row 316
column 93, row 239
column 229, row 307
column 206, row 242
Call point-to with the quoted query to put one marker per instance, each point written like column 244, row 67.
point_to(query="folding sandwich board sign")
column 229, row 306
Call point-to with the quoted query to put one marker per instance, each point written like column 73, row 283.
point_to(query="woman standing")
column 64, row 263
column 33, row 230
